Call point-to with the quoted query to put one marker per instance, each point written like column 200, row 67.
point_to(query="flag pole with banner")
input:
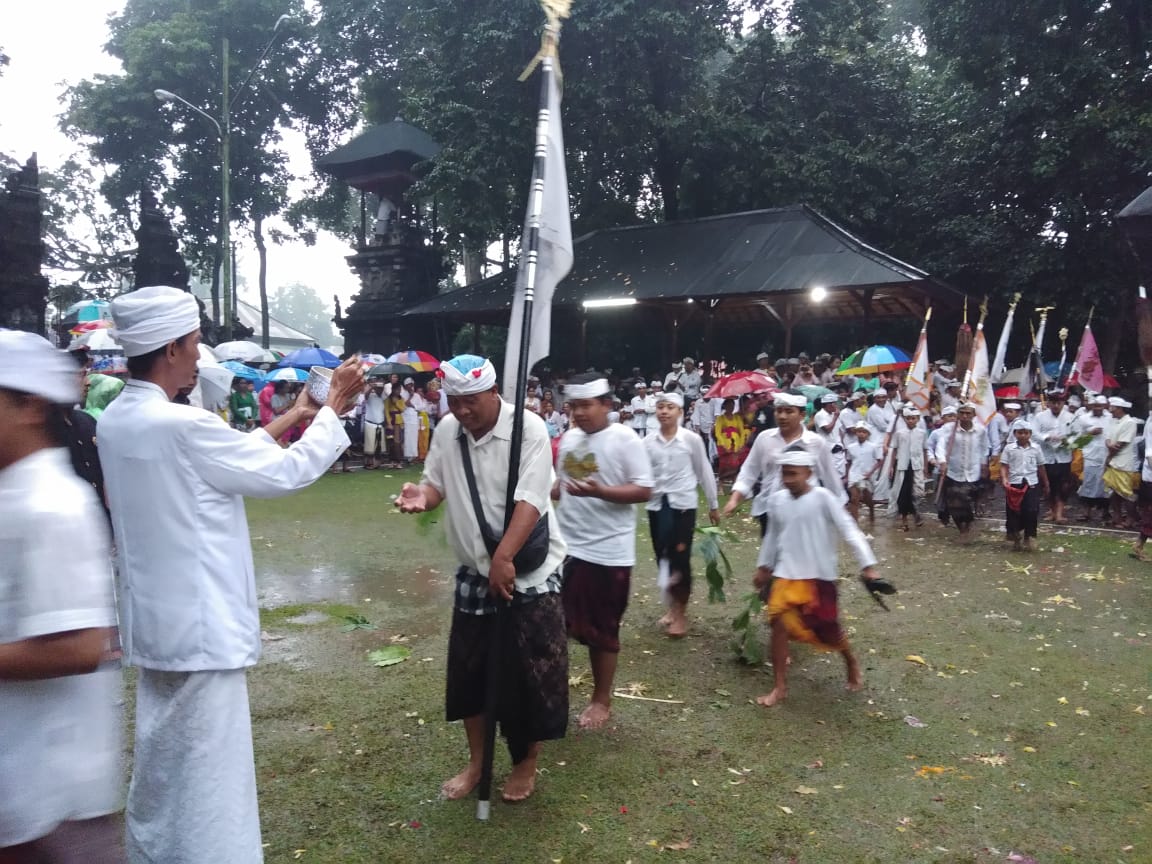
column 1086, row 368
column 997, row 367
column 545, row 259
column 917, row 384
column 982, row 396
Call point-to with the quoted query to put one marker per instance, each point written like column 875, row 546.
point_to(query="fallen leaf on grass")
column 678, row 847
column 1029, row 749
column 1063, row 700
column 915, row 722
column 806, row 790
column 584, row 829
column 1083, row 712
column 929, row 770
column 1017, row 858
column 787, row 810
column 1059, row 600
column 997, row 759
column 299, row 853
column 389, row 655
column 916, row 658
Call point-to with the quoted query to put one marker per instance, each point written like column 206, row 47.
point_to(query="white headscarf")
column 796, row 457
column 152, row 317
column 29, row 364
column 592, row 390
column 795, row 401
column 467, row 374
column 675, row 398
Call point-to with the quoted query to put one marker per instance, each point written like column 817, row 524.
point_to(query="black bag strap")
column 466, row 456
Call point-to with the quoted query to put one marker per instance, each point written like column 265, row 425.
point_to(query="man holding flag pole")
column 510, row 660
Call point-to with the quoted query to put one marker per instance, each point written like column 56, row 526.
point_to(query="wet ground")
column 1004, row 716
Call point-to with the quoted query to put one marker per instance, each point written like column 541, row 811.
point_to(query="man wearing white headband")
column 963, row 459
column 176, row 478
column 1022, row 473
column 824, row 425
column 60, row 744
column 884, row 420
column 864, row 463
column 690, row 381
column 761, row 465
column 641, row 406
column 477, row 438
column 905, row 467
column 603, row 470
column 797, row 568
column 679, row 466
column 1052, row 426
column 1091, row 429
column 998, row 436
column 1122, row 467
column 847, row 419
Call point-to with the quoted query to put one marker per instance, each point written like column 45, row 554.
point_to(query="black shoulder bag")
column 534, row 552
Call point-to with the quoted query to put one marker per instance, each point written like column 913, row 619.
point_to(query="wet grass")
column 1034, row 689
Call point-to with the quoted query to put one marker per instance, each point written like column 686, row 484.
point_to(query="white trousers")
column 192, row 799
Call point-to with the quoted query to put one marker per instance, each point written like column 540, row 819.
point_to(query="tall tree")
column 299, row 306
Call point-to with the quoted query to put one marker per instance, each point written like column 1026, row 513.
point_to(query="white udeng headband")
column 591, row 390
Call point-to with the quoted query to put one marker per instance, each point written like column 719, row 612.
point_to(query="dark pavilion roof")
column 383, row 151
column 746, row 266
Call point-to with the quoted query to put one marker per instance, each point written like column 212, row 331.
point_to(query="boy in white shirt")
column 679, row 465
column 639, row 409
column 1022, row 473
column 797, row 566
column 602, row 471
column 864, row 461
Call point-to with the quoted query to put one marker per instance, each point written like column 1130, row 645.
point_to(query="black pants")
column 1026, row 518
column 671, row 532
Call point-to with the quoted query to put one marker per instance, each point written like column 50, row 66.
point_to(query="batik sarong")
column 808, row 610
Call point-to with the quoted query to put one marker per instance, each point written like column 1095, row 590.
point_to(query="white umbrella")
column 245, row 352
column 95, row 340
column 288, row 374
column 215, row 385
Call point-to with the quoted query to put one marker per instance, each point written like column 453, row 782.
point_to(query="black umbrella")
column 381, row 370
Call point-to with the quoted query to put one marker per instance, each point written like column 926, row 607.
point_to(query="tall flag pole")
column 917, row 384
column 545, row 258
column 982, row 395
column 1002, row 346
column 1087, row 370
column 1063, row 334
column 963, row 354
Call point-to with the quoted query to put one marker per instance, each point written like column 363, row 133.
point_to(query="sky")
column 46, row 58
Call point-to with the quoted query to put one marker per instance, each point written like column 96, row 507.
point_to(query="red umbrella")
column 741, row 384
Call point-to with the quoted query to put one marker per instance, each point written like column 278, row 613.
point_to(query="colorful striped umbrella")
column 877, row 358
column 421, row 361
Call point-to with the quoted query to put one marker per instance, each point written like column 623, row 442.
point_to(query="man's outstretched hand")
column 347, row 384
column 412, row 499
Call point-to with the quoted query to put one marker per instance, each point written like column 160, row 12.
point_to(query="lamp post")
column 223, row 129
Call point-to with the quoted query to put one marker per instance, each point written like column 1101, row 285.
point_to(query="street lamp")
column 224, row 132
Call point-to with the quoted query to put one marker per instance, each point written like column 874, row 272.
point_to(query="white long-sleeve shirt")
column 176, row 478
column 801, row 541
column 969, row 452
column 1095, row 451
column 1051, row 430
column 679, row 465
column 760, row 466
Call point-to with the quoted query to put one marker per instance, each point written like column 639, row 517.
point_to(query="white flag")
column 554, row 243
column 918, row 388
column 980, row 392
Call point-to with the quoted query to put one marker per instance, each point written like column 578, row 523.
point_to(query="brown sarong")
column 595, row 598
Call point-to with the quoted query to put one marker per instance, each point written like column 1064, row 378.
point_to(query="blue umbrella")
column 306, row 358
column 241, row 371
column 287, row 375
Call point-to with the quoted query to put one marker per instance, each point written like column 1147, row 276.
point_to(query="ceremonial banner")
column 997, row 367
column 544, row 263
column 918, row 385
column 980, row 393
column 1087, row 365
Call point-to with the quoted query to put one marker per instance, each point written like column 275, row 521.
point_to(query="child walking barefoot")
column 797, row 565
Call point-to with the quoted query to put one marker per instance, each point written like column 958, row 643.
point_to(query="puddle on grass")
column 353, row 584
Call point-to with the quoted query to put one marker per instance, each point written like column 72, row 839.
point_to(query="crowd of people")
column 163, row 482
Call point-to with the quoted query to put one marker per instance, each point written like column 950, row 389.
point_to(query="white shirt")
column 908, row 446
column 690, row 384
column 641, row 406
column 824, row 418
column 801, row 541
column 1096, row 451
column 1146, row 467
column 444, row 471
column 60, row 747
column 862, row 458
column 1123, row 431
column 679, row 465
column 881, row 419
column 704, row 416
column 374, row 408
column 760, row 466
column 845, row 420
column 599, row 531
column 997, row 433
column 1022, row 463
column 934, row 437
column 1051, row 430
column 969, row 452
column 176, row 478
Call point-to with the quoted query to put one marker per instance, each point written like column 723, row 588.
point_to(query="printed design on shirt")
column 580, row 467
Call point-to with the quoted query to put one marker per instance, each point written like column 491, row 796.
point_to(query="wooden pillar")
column 582, row 357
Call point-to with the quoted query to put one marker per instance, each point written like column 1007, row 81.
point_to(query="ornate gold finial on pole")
column 555, row 11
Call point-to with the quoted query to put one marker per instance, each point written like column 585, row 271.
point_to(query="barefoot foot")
column 462, row 784
column 666, row 620
column 594, row 716
column 774, row 698
column 521, row 783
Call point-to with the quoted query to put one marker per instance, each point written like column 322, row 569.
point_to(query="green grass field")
column 1033, row 688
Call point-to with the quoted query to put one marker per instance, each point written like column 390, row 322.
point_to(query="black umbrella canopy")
column 381, row 370
column 1136, row 221
column 379, row 155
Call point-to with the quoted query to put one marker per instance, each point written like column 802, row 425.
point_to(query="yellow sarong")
column 1123, row 483
column 994, row 469
column 807, row 608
